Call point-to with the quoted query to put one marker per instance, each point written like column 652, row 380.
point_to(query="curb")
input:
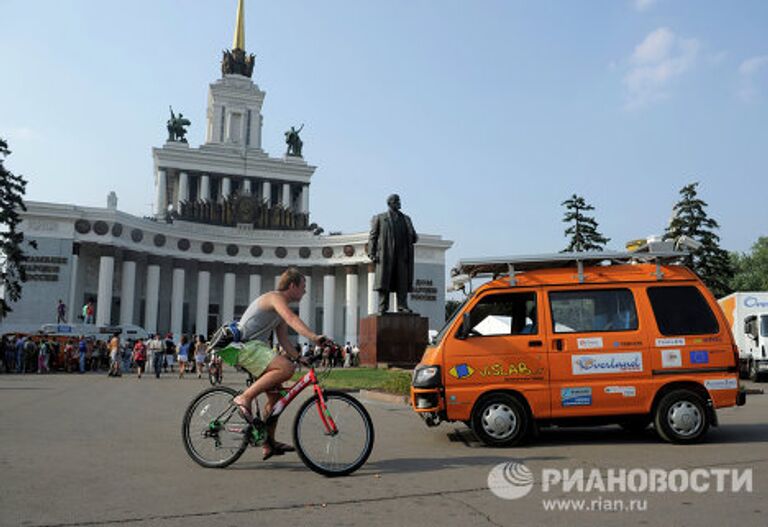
column 385, row 397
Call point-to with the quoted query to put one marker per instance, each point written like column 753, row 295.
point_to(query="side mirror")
column 466, row 327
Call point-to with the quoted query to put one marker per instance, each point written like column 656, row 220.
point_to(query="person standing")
column 183, row 356
column 355, row 355
column 390, row 247
column 9, row 354
column 170, row 351
column 156, row 350
column 42, row 357
column 114, row 356
column 89, row 312
column 61, row 312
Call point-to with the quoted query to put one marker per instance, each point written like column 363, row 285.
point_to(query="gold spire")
column 239, row 40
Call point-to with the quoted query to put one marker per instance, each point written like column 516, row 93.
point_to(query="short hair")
column 291, row 276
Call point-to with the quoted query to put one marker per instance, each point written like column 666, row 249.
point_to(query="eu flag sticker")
column 700, row 357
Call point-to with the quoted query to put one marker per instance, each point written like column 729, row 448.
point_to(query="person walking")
column 157, row 351
column 170, row 352
column 115, row 356
column 183, row 355
column 61, row 312
column 42, row 357
column 20, row 341
column 139, row 356
column 200, row 355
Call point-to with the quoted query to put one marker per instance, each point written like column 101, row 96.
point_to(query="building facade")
column 228, row 219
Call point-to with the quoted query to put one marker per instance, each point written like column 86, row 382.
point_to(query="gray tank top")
column 257, row 324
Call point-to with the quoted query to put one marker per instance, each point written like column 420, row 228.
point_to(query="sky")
column 483, row 115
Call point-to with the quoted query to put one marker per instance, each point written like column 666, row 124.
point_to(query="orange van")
column 581, row 339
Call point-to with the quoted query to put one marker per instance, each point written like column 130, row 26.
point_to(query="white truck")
column 747, row 313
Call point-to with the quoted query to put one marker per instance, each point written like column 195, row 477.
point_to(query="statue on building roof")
column 294, row 142
column 176, row 127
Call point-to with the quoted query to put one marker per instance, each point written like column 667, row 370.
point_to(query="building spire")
column 239, row 40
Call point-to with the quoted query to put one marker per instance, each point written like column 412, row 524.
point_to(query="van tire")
column 681, row 417
column 500, row 420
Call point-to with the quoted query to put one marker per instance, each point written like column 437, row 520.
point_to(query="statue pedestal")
column 397, row 339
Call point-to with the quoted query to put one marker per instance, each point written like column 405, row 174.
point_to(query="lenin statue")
column 390, row 247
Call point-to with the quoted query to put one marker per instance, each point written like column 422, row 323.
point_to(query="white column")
column 161, row 200
column 266, row 191
column 228, row 300
column 286, row 195
column 305, row 199
column 254, row 287
column 205, row 187
column 351, row 302
column 104, row 299
column 226, row 187
column 203, row 299
column 305, row 306
column 127, row 292
column 329, row 295
column 177, row 301
column 373, row 295
column 153, row 293
column 183, row 189
column 247, row 186
column 72, row 309
column 393, row 302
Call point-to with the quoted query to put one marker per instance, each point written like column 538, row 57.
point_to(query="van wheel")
column 500, row 420
column 681, row 417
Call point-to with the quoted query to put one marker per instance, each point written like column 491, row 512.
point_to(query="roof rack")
column 510, row 266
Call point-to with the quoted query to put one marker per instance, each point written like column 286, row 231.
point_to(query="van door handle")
column 558, row 343
column 535, row 343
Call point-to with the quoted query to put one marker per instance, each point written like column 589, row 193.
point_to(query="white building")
column 229, row 219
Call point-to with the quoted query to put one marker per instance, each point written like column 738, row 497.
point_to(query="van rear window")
column 593, row 310
column 682, row 310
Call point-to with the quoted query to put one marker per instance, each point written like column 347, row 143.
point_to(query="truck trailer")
column 747, row 314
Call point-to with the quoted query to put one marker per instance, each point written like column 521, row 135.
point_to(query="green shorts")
column 253, row 356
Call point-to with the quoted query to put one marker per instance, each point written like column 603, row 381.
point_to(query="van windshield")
column 764, row 325
column 441, row 334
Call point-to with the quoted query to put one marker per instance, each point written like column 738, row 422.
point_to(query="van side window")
column 504, row 314
column 593, row 310
column 681, row 310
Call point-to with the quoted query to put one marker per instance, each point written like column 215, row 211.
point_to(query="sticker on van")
column 590, row 343
column 626, row 391
column 461, row 371
column 671, row 359
column 576, row 396
column 661, row 343
column 607, row 363
column 700, row 357
column 721, row 384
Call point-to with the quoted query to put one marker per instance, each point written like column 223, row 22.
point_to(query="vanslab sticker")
column 607, row 363
column 461, row 371
column 665, row 343
column 576, row 396
column 626, row 391
column 671, row 359
column 721, row 384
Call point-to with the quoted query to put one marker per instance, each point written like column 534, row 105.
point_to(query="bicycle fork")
column 325, row 415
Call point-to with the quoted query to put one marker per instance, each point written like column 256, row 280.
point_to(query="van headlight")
column 426, row 377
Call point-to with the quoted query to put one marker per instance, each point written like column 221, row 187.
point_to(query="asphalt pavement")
column 92, row 450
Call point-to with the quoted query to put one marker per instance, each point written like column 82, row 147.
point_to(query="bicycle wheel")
column 336, row 454
column 213, row 432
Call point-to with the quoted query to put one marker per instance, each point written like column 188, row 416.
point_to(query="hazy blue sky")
column 483, row 115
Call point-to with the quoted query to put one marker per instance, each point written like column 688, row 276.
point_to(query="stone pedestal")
column 394, row 338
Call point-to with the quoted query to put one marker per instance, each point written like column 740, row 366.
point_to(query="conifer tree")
column 12, row 274
column 583, row 232
column 710, row 262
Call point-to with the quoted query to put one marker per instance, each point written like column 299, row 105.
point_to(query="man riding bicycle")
column 270, row 312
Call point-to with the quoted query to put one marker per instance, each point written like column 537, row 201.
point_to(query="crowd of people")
column 158, row 354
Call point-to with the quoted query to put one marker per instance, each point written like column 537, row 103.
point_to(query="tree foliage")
column 710, row 262
column 751, row 269
column 12, row 274
column 583, row 232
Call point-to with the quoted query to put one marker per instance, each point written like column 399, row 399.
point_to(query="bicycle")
column 332, row 432
column 215, row 369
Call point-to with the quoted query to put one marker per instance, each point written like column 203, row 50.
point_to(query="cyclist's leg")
column 278, row 371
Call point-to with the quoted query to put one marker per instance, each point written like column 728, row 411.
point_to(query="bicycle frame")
column 309, row 379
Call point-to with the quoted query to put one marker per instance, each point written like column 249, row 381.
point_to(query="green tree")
column 12, row 274
column 751, row 269
column 710, row 262
column 450, row 307
column 583, row 232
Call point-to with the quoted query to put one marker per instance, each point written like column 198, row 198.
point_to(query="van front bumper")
column 426, row 400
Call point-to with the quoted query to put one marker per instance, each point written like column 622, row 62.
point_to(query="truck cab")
column 579, row 339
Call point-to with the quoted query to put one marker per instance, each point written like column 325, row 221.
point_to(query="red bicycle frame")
column 296, row 389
